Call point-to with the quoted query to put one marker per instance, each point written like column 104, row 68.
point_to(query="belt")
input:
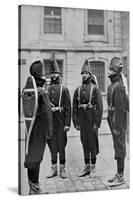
column 54, row 109
column 84, row 106
column 111, row 108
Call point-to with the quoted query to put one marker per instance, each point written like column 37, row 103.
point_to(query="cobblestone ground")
column 105, row 169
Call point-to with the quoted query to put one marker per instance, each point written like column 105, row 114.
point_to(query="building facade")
column 73, row 35
column 125, row 42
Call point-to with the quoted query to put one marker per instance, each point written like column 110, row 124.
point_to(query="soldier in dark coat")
column 42, row 129
column 61, row 109
column 117, row 108
column 87, row 116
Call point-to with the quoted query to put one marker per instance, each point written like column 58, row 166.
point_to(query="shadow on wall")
column 13, row 190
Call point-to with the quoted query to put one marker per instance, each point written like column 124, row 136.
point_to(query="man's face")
column 111, row 72
column 54, row 76
column 85, row 75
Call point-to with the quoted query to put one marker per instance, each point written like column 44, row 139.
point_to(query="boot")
column 117, row 180
column 86, row 170
column 53, row 171
column 34, row 188
column 92, row 170
column 62, row 171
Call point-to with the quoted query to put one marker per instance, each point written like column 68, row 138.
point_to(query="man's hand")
column 53, row 109
column 66, row 128
column 95, row 128
column 78, row 128
column 116, row 132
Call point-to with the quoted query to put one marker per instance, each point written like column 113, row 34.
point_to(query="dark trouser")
column 119, row 146
column 118, row 140
column 56, row 148
column 58, row 141
column 88, row 137
column 33, row 174
column 91, row 159
column 120, row 165
column 37, row 143
column 89, row 146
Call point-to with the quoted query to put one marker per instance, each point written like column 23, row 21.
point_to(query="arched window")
column 98, row 69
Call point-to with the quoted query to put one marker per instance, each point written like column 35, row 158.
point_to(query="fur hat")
column 54, row 67
column 86, row 67
column 116, row 65
column 37, row 69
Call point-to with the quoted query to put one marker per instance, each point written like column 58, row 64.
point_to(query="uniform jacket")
column 118, row 105
column 96, row 102
column 119, row 102
column 54, row 96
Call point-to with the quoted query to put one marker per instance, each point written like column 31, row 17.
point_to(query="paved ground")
column 105, row 169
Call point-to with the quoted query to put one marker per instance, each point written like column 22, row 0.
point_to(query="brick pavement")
column 74, row 155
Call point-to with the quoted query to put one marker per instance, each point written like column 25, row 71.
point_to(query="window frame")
column 103, row 65
column 52, row 36
column 95, row 38
column 54, row 17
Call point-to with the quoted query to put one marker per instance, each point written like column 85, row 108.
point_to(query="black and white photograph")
column 73, row 99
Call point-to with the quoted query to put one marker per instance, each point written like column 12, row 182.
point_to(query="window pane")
column 95, row 13
column 98, row 69
column 95, row 29
column 52, row 11
column 58, row 28
column 46, row 28
column 52, row 25
column 52, row 20
column 95, row 22
column 47, row 10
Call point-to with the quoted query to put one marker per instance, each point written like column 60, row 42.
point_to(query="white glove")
column 66, row 128
column 78, row 128
column 116, row 132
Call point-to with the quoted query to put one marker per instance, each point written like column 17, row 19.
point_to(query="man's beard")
column 54, row 78
column 40, row 82
column 85, row 80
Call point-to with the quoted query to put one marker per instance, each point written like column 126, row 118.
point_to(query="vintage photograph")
column 73, row 67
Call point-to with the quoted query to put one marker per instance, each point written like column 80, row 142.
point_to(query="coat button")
column 83, row 92
column 83, row 100
column 52, row 99
column 52, row 91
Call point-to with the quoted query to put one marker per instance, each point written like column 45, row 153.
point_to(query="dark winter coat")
column 118, row 105
column 42, row 129
column 87, row 118
column 61, row 118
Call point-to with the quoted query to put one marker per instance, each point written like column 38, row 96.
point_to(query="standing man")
column 117, row 108
column 87, row 116
column 42, row 129
column 61, row 109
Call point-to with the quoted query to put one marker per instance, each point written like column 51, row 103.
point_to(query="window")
column 47, row 64
column 52, row 20
column 98, row 69
column 125, row 70
column 96, row 26
column 95, row 22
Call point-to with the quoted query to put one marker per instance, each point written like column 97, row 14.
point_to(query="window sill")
column 52, row 36
column 95, row 38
